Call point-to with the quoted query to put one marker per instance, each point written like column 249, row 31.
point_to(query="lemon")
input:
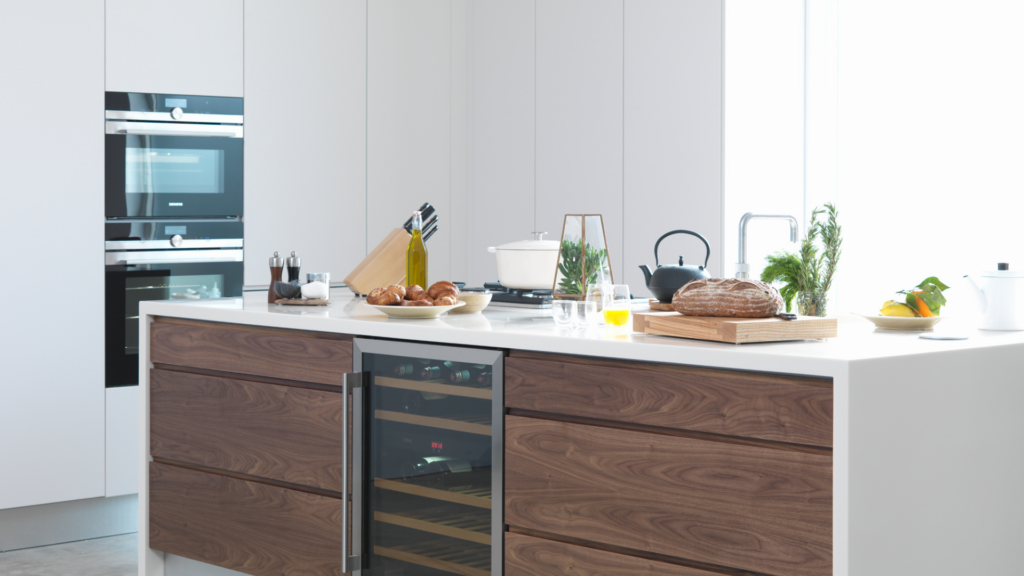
column 891, row 308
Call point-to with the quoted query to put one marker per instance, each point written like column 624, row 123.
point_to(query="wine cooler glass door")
column 432, row 454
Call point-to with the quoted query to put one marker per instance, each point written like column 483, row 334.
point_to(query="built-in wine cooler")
column 426, row 453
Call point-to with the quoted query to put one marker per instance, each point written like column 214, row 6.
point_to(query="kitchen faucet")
column 742, row 268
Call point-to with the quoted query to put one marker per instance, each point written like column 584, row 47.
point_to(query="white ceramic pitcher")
column 1002, row 298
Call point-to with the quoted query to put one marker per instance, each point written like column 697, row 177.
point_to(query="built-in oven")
column 162, row 260
column 173, row 156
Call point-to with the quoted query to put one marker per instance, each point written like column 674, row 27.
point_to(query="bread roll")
column 415, row 292
column 374, row 296
column 381, row 297
column 446, row 300
column 728, row 297
column 396, row 289
column 443, row 286
column 417, row 303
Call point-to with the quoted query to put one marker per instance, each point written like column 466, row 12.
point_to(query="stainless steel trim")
column 173, row 129
column 498, row 466
column 431, row 351
column 166, row 244
column 166, row 117
column 177, row 256
column 349, row 382
column 356, row 555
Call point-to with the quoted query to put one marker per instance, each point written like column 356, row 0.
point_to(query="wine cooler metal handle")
column 352, row 384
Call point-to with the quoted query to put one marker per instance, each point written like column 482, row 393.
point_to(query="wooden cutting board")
column 735, row 330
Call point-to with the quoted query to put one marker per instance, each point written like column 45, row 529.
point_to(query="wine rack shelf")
column 441, row 556
column 467, row 495
column 434, row 386
column 470, row 526
column 474, row 424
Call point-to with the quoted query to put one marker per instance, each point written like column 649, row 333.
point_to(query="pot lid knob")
column 538, row 235
column 1004, row 266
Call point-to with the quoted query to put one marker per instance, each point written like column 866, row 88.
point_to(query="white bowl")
column 902, row 322
column 475, row 302
column 416, row 312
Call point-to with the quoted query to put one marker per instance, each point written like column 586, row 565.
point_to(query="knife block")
column 382, row 267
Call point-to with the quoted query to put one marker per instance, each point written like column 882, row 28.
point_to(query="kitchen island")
column 872, row 453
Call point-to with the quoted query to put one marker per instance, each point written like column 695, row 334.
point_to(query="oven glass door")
column 173, row 176
column 127, row 286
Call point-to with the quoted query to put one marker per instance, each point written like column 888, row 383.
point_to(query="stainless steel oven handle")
column 169, row 129
column 172, row 257
column 349, row 383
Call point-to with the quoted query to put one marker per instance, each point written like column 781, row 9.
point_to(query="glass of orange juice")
column 617, row 305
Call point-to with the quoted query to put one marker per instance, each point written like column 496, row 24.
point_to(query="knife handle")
column 430, row 233
column 425, row 211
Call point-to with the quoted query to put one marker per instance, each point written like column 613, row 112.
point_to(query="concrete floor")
column 113, row 556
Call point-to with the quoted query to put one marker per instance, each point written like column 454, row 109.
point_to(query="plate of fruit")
column 916, row 309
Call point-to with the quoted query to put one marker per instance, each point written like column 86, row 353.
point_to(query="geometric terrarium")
column 582, row 257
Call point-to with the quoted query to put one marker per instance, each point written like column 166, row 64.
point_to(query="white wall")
column 184, row 47
column 305, row 135
column 51, row 179
column 930, row 119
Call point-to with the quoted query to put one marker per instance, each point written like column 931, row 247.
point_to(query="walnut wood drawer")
column 290, row 355
column 273, row 431
column 245, row 526
column 529, row 556
column 747, row 404
column 761, row 509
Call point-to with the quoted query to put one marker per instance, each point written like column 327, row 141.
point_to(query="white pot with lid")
column 1001, row 298
column 527, row 264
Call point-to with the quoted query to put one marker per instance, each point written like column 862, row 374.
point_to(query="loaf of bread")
column 728, row 297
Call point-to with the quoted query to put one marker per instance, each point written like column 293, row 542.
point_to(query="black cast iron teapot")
column 665, row 280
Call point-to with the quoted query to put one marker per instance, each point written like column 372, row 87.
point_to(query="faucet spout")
column 742, row 267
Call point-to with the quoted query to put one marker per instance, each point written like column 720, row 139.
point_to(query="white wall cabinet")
column 579, row 116
column 182, row 47
column 122, row 441
column 409, row 133
column 51, row 161
column 305, row 135
column 673, row 134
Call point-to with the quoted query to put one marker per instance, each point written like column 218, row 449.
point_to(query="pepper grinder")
column 276, row 268
column 293, row 268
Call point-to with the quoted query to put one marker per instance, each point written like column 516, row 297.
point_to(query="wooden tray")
column 659, row 306
column 735, row 330
column 303, row 302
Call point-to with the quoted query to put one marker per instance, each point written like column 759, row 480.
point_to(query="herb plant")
column 809, row 274
column 575, row 278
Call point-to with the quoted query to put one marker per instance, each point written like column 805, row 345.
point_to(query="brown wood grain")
column 756, row 509
column 245, row 526
column 272, row 431
column 734, row 330
column 715, row 401
column 529, row 556
column 290, row 357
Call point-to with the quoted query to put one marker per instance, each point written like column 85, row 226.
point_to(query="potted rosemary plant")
column 807, row 276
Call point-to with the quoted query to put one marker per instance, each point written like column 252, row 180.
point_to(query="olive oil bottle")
column 416, row 255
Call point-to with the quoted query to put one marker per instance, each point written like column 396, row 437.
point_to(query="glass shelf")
column 470, row 526
column 434, row 386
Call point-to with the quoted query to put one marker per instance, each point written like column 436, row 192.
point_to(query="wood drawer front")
column 245, row 526
column 272, row 431
column 718, row 503
column 276, row 355
column 753, row 405
column 529, row 556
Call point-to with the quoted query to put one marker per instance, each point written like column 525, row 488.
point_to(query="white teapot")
column 1002, row 299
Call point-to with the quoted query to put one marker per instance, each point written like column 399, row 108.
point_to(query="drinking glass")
column 586, row 314
column 564, row 312
column 618, row 307
column 600, row 294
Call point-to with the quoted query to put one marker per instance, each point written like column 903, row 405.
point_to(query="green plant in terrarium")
column 575, row 278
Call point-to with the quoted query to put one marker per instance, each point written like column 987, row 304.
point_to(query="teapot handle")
column 667, row 234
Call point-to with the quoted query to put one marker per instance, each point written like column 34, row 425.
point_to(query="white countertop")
column 535, row 330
